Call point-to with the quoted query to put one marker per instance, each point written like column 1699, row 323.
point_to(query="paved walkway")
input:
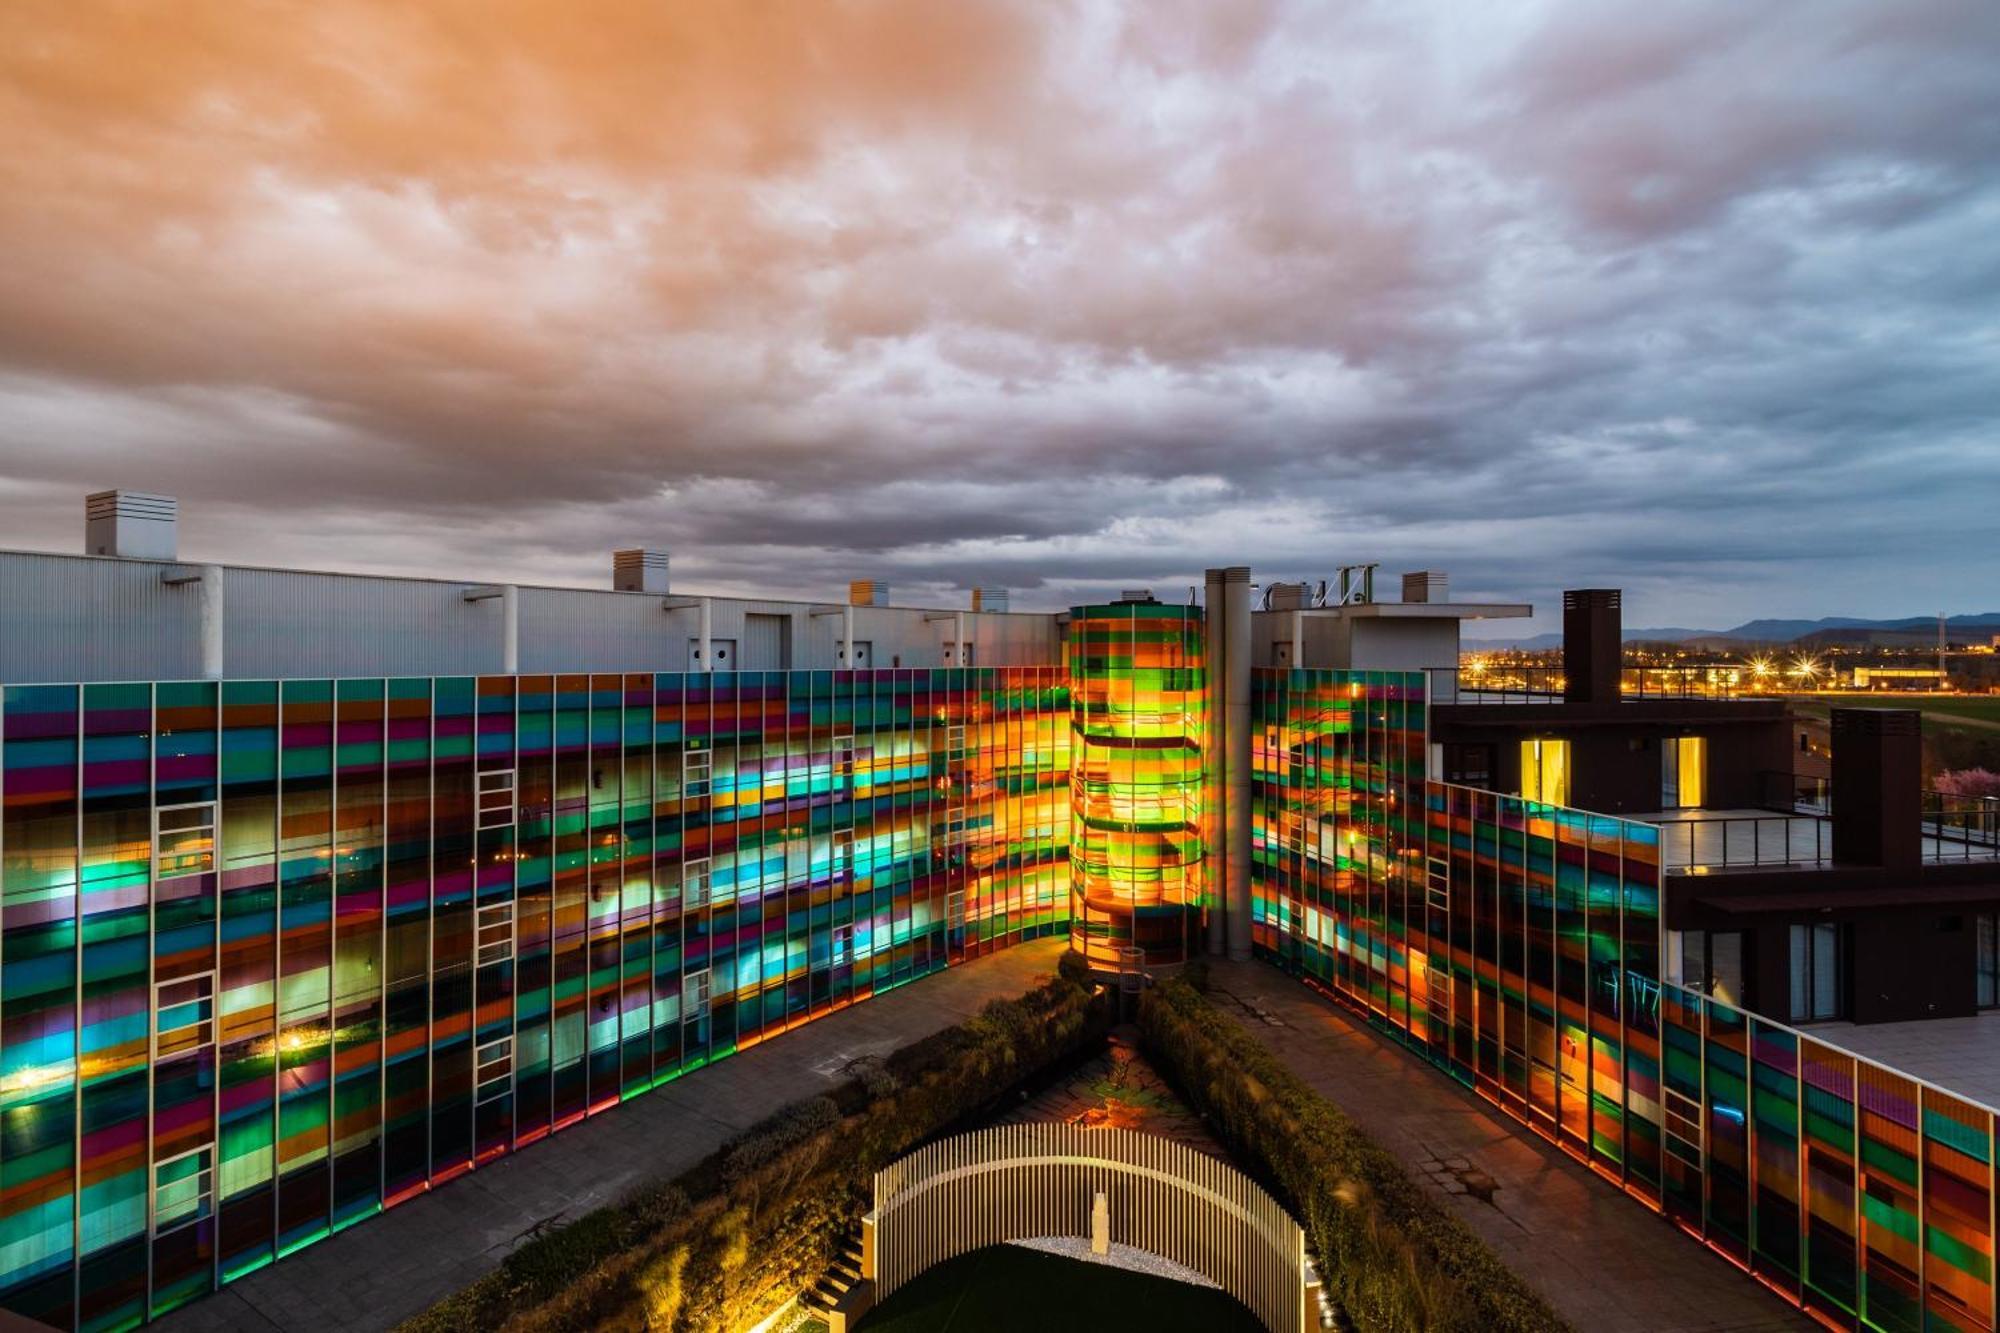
column 390, row 1267
column 1599, row 1257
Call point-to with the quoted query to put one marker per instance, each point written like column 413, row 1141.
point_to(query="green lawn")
column 1938, row 710
column 1006, row 1289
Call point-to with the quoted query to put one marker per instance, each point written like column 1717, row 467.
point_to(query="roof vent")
column 1427, row 585
column 989, row 599
column 639, row 570
column 867, row 592
column 1135, row 595
column 131, row 525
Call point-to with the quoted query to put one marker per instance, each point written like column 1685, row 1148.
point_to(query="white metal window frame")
column 840, row 855
column 696, row 883
column 696, row 993
column 495, row 798
column 843, row 945
column 204, row 1191
column 493, row 938
column 207, row 1022
column 160, row 873
column 954, row 910
column 697, row 773
column 492, row 1070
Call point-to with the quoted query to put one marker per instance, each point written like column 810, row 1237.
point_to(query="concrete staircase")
column 842, row 1295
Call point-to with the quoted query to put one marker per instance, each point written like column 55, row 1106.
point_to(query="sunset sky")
column 1700, row 299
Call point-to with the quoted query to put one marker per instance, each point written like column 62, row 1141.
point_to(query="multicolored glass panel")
column 1137, row 684
column 277, row 955
column 1516, row 945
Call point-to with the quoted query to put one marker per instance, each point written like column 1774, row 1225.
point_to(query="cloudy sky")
column 1700, row 299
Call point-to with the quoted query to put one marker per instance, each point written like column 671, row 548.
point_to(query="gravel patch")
column 1121, row 1256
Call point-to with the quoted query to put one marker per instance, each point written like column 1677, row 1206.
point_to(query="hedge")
column 1391, row 1256
column 758, row 1220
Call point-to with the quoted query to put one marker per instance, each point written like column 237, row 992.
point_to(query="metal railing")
column 1501, row 683
column 1016, row 1182
column 1794, row 793
column 1960, row 828
column 1731, row 842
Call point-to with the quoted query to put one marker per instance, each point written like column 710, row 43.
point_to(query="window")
column 1437, row 884
column 694, row 995
column 496, row 933
column 1989, row 960
column 183, row 1015
column 1815, row 972
column 1545, row 771
column 183, row 840
column 954, row 909
column 694, row 883
column 843, row 856
column 843, row 945
column 183, row 1190
column 1683, row 773
column 493, row 1071
column 954, row 739
column 496, row 798
column 697, row 773
column 1683, row 1117
column 1709, row 961
column 843, row 758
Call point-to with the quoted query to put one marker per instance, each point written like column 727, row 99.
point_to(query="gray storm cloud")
column 1697, row 299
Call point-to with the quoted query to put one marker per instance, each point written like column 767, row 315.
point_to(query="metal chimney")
column 131, row 525
column 639, row 570
column 1426, row 585
column 1593, row 645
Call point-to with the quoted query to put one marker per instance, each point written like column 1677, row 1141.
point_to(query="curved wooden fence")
column 1014, row 1182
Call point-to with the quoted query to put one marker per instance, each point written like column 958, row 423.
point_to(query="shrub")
column 1390, row 1255
column 759, row 1219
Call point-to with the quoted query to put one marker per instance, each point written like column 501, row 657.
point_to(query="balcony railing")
column 1504, row 684
column 1961, row 828
column 1700, row 843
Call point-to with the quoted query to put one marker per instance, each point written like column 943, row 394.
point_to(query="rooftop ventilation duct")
column 989, row 599
column 867, row 592
column 639, row 570
column 131, row 525
column 1427, row 585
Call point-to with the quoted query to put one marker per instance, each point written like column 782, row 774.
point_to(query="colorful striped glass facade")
column 1516, row 945
column 1137, row 697
column 277, row 955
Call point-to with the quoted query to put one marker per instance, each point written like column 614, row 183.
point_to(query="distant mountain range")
column 1829, row 631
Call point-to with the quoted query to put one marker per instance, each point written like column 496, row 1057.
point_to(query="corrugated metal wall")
column 85, row 618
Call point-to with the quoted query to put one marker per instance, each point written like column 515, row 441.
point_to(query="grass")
column 1007, row 1288
column 1938, row 709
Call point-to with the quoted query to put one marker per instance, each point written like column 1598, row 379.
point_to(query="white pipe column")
column 211, row 622
column 703, row 651
column 958, row 631
column 1298, row 639
column 1215, row 656
column 847, row 636
column 510, row 630
column 1236, row 757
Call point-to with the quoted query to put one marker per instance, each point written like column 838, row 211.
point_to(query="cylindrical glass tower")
column 1136, row 707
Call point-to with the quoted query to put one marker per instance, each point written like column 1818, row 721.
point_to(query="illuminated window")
column 695, row 883
column 697, row 773
column 843, row 757
column 843, row 945
column 1710, row 961
column 954, row 909
column 183, row 1015
column 496, row 933
column 496, row 798
column 954, row 739
column 493, row 1070
column 1683, row 772
column 1815, row 972
column 183, row 1190
column 694, row 995
column 1545, row 771
column 843, row 856
column 183, row 840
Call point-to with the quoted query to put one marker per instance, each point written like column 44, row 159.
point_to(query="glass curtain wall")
column 1516, row 945
column 1136, row 685
column 277, row 955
